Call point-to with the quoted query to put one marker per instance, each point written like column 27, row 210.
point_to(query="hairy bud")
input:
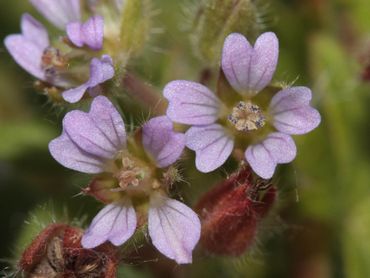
column 216, row 19
column 135, row 25
column 57, row 252
column 230, row 213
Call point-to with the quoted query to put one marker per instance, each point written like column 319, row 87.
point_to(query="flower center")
column 247, row 116
column 129, row 175
column 53, row 61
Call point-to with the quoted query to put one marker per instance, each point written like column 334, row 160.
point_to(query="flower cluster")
column 133, row 172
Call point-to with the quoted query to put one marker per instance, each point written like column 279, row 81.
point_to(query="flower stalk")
column 144, row 93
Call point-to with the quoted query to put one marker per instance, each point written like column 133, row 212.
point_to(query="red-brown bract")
column 57, row 252
column 231, row 211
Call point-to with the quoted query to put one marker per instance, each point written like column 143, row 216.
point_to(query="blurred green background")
column 322, row 224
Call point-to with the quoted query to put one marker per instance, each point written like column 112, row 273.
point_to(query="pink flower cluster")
column 137, row 165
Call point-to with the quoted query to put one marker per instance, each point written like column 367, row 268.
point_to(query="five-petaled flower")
column 34, row 52
column 96, row 143
column 219, row 126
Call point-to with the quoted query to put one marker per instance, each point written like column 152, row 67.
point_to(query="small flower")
column 232, row 211
column 101, row 70
column 34, row 52
column 218, row 125
column 90, row 33
column 60, row 12
column 96, row 143
column 28, row 48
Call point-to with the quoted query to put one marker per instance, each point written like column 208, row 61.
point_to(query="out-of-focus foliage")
column 324, row 224
column 215, row 19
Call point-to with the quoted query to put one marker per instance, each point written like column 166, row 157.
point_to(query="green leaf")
column 218, row 18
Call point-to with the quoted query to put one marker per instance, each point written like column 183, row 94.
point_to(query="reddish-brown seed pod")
column 57, row 252
column 37, row 249
column 230, row 213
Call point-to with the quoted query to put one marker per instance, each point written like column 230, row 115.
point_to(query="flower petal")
column 191, row 103
column 264, row 61
column 109, row 121
column 115, row 223
column 174, row 229
column 68, row 154
column 26, row 54
column 236, row 58
column 93, row 32
column 281, row 147
column 75, row 94
column 90, row 33
column 27, row 48
column 248, row 69
column 292, row 111
column 211, row 144
column 101, row 132
column 101, row 70
column 34, row 31
column 59, row 12
column 277, row 148
column 73, row 30
column 162, row 142
column 261, row 162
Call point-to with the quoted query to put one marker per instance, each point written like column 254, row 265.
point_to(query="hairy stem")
column 144, row 93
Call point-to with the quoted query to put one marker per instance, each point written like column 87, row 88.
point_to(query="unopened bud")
column 135, row 25
column 231, row 213
column 216, row 19
column 57, row 252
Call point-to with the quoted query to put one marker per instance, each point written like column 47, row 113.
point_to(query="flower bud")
column 135, row 25
column 231, row 212
column 216, row 19
column 57, row 252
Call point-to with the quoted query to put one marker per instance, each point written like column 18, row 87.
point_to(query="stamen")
column 53, row 61
column 247, row 116
column 129, row 174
